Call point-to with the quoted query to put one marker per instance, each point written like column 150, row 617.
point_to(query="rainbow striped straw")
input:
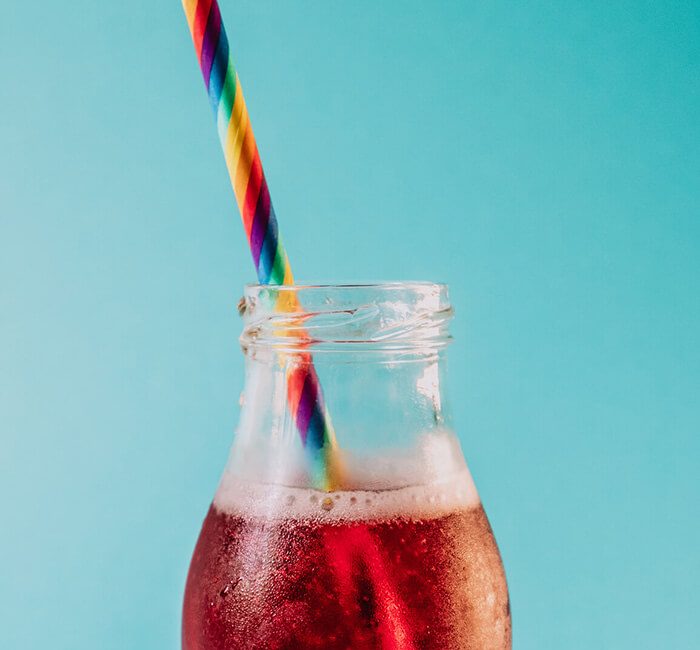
column 304, row 394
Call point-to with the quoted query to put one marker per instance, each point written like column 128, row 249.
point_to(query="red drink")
column 413, row 568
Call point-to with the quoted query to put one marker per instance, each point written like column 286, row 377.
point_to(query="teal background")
column 542, row 158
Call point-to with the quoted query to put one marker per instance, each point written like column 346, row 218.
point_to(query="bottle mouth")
column 383, row 316
column 381, row 285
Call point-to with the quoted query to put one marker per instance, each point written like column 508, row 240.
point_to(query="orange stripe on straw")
column 190, row 7
column 245, row 158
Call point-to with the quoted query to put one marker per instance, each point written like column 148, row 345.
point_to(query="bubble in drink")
column 412, row 568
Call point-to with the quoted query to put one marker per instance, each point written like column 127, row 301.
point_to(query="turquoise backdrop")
column 543, row 158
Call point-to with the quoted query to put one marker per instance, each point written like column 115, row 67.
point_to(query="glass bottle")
column 394, row 550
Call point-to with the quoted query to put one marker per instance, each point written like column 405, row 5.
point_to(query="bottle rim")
column 379, row 285
column 380, row 316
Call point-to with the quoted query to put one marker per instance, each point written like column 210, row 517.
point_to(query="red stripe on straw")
column 252, row 193
column 295, row 386
column 199, row 26
column 212, row 34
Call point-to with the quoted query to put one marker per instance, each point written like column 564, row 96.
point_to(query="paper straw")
column 304, row 394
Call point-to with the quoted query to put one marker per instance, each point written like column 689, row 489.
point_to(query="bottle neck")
column 383, row 409
column 372, row 398
column 378, row 364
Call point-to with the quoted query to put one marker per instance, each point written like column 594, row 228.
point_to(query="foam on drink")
column 236, row 496
column 427, row 481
